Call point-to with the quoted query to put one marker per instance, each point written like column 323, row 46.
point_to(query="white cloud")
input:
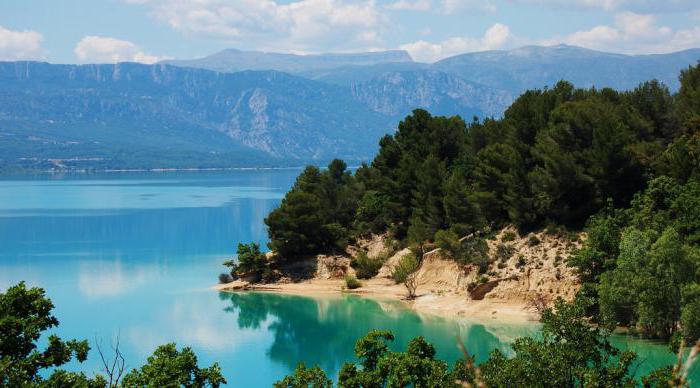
column 102, row 279
column 620, row 5
column 633, row 34
column 298, row 25
column 100, row 49
column 20, row 45
column 454, row 6
column 497, row 36
column 412, row 5
column 443, row 6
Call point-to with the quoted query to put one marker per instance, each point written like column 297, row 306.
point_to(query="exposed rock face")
column 526, row 271
column 440, row 275
column 130, row 114
column 387, row 270
column 534, row 268
column 398, row 93
column 333, row 267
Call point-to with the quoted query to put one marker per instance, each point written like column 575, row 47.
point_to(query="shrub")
column 483, row 280
column 448, row 242
column 407, row 265
column 251, row 263
column 225, row 278
column 508, row 236
column 504, row 251
column 521, row 261
column 406, row 273
column 365, row 266
column 533, row 240
column 352, row 283
column 502, row 265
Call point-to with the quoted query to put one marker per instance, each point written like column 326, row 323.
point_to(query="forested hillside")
column 623, row 165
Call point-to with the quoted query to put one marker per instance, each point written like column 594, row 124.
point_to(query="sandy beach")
column 443, row 304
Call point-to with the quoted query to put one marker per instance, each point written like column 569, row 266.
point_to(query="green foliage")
column 602, row 247
column 570, row 353
column 25, row 314
column 317, row 214
column 533, row 240
column 381, row 367
column 690, row 312
column 170, row 367
column 352, row 283
column 644, row 259
column 304, row 377
column 448, row 242
column 366, row 267
column 508, row 236
column 475, row 251
column 252, row 262
column 407, row 265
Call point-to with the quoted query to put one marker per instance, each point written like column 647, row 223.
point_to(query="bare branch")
column 116, row 369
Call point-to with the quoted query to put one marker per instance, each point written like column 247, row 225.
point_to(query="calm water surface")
column 133, row 255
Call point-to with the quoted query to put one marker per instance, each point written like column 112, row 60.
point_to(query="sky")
column 107, row 31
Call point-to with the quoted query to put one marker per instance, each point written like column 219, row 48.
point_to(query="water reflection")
column 322, row 331
column 102, row 278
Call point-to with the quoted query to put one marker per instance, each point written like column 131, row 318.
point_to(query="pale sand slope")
column 444, row 285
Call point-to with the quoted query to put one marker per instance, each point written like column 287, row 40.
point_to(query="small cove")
column 134, row 254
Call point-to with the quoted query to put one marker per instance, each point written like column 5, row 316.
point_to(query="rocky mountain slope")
column 396, row 93
column 299, row 109
column 132, row 115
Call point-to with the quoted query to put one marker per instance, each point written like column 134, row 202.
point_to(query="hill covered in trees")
column 623, row 165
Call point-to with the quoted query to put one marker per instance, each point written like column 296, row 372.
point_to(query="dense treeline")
column 557, row 156
column 624, row 164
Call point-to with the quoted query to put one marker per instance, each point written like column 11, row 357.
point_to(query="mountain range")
column 238, row 108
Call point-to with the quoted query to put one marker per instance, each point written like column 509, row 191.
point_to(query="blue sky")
column 102, row 31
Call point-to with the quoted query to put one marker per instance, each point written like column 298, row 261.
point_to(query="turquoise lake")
column 134, row 255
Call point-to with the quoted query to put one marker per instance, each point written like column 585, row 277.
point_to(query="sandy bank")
column 520, row 269
column 449, row 305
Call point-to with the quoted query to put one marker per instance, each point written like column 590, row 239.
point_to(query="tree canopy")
column 558, row 156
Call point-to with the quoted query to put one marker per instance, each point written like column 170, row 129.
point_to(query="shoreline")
column 445, row 305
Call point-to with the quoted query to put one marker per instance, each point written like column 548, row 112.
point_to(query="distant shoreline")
column 20, row 172
column 11, row 173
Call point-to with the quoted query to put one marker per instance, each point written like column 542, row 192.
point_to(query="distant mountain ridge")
column 300, row 109
column 132, row 115
column 233, row 60
column 533, row 67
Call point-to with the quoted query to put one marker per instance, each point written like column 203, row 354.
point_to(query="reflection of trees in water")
column 323, row 331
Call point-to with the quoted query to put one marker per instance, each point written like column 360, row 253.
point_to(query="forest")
column 624, row 166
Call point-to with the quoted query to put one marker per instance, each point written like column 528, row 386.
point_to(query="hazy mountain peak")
column 231, row 60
